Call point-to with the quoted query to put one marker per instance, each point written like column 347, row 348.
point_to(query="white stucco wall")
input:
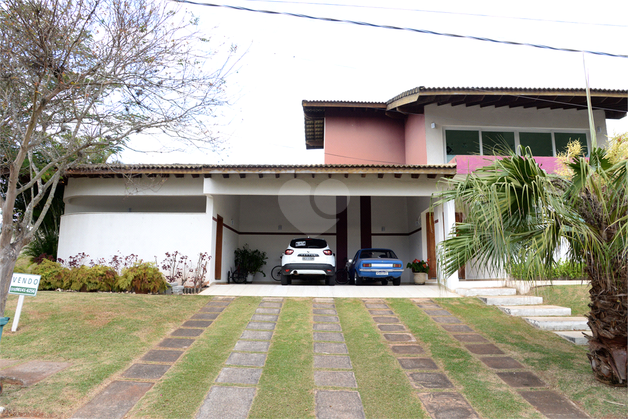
column 148, row 235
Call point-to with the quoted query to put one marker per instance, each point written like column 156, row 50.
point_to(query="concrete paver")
column 146, row 371
column 179, row 343
column 407, row 349
column 114, row 401
column 330, row 348
column 501, row 362
column 472, row 337
column 335, row 379
column 553, row 405
column 239, row 375
column 521, row 379
column 327, row 326
column 430, row 380
column 484, row 349
column 252, row 346
column 339, row 405
column 329, row 337
column 188, row 333
column 332, row 362
column 224, row 402
column 162, row 355
column 417, row 363
column 447, row 405
column 246, row 359
column 256, row 335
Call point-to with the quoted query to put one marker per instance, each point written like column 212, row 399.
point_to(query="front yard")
column 102, row 334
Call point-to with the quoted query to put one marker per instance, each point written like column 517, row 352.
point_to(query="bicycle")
column 236, row 276
column 275, row 273
column 342, row 276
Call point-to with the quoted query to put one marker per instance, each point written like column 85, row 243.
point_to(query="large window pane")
column 497, row 143
column 462, row 143
column 539, row 142
column 563, row 138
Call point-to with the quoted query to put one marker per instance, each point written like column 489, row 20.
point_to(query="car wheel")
column 396, row 281
column 331, row 280
column 358, row 279
column 384, row 282
column 285, row 280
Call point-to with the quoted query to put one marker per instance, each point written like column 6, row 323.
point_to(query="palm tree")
column 516, row 213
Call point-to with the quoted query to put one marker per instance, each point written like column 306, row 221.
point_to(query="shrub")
column 24, row 265
column 53, row 275
column 143, row 278
column 94, row 278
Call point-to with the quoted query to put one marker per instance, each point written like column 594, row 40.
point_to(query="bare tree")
column 77, row 78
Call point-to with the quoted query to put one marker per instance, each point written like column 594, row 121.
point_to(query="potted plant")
column 420, row 268
column 250, row 261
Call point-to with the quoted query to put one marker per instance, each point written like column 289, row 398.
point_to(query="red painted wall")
column 357, row 137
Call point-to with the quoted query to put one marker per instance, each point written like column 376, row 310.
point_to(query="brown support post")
column 342, row 240
column 365, row 222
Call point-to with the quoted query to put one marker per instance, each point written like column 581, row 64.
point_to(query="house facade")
column 383, row 161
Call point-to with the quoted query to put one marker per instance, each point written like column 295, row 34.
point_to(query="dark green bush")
column 53, row 275
column 143, row 278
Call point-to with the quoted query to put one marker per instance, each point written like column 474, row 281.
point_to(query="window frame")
column 516, row 132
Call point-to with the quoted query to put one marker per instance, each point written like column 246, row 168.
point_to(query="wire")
column 399, row 28
column 403, row 9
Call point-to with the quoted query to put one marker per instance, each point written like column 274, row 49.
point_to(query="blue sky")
column 286, row 60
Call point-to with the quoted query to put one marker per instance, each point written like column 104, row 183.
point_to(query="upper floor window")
column 496, row 143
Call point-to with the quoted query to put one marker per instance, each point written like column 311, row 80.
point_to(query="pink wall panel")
column 364, row 139
column 416, row 152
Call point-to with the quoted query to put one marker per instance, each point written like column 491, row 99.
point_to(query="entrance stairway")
column 545, row 317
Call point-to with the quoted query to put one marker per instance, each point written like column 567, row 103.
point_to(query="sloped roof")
column 207, row 170
column 614, row 103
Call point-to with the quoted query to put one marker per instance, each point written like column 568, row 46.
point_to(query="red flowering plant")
column 418, row 266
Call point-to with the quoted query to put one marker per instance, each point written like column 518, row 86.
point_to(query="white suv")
column 308, row 257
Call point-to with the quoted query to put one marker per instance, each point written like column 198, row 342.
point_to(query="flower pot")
column 420, row 278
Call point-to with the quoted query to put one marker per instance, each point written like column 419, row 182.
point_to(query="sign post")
column 22, row 284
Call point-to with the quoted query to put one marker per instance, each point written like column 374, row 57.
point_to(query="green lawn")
column 103, row 334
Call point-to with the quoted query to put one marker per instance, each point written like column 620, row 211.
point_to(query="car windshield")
column 308, row 243
column 378, row 254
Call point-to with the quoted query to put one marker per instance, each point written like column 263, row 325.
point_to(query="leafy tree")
column 516, row 213
column 77, row 78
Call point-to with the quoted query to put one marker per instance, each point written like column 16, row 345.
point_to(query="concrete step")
column 573, row 336
column 558, row 323
column 474, row 292
column 536, row 310
column 513, row 300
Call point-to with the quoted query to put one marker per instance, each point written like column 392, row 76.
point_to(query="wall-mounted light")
column 279, row 227
column 383, row 228
column 433, row 125
column 232, row 221
column 598, row 129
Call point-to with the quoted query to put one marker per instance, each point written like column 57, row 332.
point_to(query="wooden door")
column 461, row 272
column 218, row 260
column 431, row 244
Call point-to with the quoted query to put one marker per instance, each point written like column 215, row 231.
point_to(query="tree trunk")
column 8, row 257
column 608, row 323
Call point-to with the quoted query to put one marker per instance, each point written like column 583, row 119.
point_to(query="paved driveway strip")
column 549, row 403
column 332, row 366
column 232, row 395
column 419, row 367
column 119, row 396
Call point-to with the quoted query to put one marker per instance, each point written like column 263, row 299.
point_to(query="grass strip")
column 484, row 390
column 561, row 364
column 100, row 334
column 385, row 390
column 576, row 297
column 183, row 388
column 285, row 387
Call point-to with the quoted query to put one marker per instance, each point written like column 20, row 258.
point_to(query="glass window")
column 462, row 143
column 539, row 142
column 497, row 143
column 564, row 138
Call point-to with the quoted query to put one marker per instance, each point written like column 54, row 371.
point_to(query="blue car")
column 375, row 265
